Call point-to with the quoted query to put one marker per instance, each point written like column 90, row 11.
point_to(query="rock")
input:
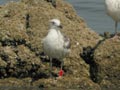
column 107, row 59
column 2, row 63
column 15, row 82
column 65, row 82
column 21, row 47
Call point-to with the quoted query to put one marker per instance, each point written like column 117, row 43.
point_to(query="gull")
column 113, row 10
column 55, row 44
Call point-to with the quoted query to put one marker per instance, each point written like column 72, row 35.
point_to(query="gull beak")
column 61, row 26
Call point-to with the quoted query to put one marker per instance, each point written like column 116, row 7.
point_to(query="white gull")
column 113, row 10
column 55, row 44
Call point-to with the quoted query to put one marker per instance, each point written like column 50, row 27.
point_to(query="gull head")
column 55, row 23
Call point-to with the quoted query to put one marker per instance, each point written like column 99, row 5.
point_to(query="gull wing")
column 67, row 43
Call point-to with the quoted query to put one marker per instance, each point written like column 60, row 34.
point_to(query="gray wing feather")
column 66, row 42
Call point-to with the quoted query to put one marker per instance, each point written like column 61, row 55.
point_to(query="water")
column 92, row 11
column 6, row 1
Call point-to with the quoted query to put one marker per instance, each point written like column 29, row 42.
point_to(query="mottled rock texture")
column 24, row 24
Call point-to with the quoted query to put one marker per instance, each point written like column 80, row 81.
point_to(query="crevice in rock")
column 88, row 57
column 14, row 42
column 21, row 69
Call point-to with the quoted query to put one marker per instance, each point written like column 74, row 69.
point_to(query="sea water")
column 92, row 11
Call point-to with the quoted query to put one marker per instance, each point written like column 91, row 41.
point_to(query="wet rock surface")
column 24, row 24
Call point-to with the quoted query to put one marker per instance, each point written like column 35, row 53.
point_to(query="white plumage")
column 113, row 10
column 56, row 45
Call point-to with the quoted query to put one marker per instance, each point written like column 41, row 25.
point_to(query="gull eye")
column 53, row 23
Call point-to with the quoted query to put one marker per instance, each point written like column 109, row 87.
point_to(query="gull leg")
column 61, row 72
column 116, row 24
column 50, row 67
column 54, row 3
column 62, row 63
column 115, row 35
